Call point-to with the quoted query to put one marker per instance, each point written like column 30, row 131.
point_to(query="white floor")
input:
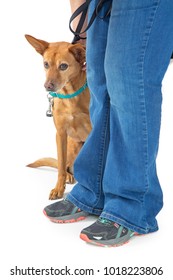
column 28, row 239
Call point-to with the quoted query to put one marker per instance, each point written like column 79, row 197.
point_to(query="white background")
column 28, row 239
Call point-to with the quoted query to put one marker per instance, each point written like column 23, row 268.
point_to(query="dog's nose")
column 49, row 86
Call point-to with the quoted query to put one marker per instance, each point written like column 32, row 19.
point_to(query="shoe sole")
column 75, row 218
column 85, row 238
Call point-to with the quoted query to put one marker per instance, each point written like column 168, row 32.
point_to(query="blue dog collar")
column 62, row 96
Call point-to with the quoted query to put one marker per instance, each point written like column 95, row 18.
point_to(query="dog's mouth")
column 56, row 87
column 50, row 86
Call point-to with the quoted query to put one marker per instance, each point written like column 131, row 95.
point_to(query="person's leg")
column 139, row 45
column 140, row 42
column 90, row 163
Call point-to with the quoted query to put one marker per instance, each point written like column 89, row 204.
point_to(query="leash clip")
column 49, row 111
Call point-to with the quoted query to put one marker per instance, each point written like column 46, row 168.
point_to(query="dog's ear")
column 39, row 45
column 79, row 53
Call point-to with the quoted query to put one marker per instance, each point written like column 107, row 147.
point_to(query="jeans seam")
column 102, row 152
column 142, row 91
column 143, row 102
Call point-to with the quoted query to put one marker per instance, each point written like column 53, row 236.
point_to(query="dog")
column 65, row 69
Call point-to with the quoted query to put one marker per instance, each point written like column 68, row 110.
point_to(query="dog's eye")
column 46, row 64
column 63, row 66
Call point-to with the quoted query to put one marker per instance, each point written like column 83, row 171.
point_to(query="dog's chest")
column 72, row 119
column 65, row 112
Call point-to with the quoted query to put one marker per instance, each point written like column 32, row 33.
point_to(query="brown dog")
column 64, row 65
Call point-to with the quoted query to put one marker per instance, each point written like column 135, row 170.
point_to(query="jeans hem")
column 127, row 224
column 84, row 207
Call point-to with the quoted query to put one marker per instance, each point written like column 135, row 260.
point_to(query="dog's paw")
column 55, row 194
column 70, row 178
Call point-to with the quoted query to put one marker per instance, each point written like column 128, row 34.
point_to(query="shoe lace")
column 104, row 221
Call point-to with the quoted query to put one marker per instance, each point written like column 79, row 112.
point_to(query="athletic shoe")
column 64, row 211
column 106, row 233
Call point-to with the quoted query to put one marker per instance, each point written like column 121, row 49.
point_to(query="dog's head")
column 63, row 62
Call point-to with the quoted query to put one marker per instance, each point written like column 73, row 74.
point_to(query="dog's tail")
column 51, row 162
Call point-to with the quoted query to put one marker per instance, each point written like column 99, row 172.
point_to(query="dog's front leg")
column 61, row 141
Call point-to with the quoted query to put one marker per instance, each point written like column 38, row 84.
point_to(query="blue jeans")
column 127, row 56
